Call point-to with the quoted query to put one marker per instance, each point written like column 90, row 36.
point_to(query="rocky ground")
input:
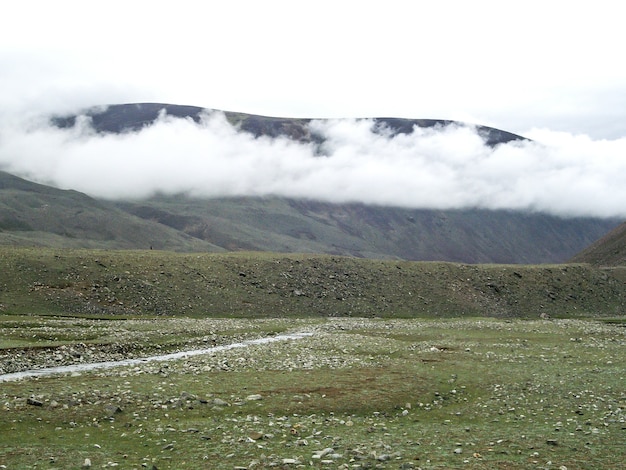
column 89, row 341
column 253, row 285
column 480, row 393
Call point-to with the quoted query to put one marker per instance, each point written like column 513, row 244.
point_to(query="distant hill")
column 133, row 117
column 287, row 225
column 38, row 215
column 609, row 250
column 34, row 214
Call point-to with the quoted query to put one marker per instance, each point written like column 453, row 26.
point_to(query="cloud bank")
column 438, row 168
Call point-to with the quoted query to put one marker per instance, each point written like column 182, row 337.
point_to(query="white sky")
column 513, row 65
column 549, row 70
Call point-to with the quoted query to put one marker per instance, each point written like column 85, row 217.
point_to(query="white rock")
column 318, row 454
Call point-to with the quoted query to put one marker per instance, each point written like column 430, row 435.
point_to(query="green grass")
column 382, row 393
column 104, row 283
column 410, row 362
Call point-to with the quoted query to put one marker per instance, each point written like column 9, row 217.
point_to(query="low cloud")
column 442, row 168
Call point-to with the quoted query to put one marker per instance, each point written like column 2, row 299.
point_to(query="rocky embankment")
column 261, row 285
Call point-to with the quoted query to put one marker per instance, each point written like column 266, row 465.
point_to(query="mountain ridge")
column 183, row 223
column 35, row 214
column 132, row 117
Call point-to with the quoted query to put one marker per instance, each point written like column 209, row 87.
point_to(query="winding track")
column 130, row 362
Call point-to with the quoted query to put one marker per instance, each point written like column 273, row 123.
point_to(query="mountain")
column 34, row 214
column 609, row 250
column 39, row 215
column 287, row 225
column 133, row 117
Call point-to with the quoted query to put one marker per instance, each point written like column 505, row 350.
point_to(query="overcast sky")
column 549, row 70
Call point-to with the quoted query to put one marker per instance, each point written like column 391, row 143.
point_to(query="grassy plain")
column 409, row 365
column 359, row 393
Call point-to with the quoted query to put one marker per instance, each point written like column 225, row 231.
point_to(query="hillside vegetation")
column 610, row 250
column 253, row 285
column 303, row 226
column 34, row 214
column 38, row 215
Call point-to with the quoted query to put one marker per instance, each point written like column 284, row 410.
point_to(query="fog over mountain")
column 345, row 160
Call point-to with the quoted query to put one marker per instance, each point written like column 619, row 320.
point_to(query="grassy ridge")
column 84, row 282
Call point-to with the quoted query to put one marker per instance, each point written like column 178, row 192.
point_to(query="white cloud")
column 441, row 168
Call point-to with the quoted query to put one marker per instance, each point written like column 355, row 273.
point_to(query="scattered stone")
column 458, row 450
column 255, row 435
column 318, row 454
column 219, row 402
column 552, row 442
column 33, row 402
column 87, row 463
column 255, row 397
column 112, row 410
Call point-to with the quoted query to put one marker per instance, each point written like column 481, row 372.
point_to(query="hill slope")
column 610, row 250
column 35, row 214
column 284, row 225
